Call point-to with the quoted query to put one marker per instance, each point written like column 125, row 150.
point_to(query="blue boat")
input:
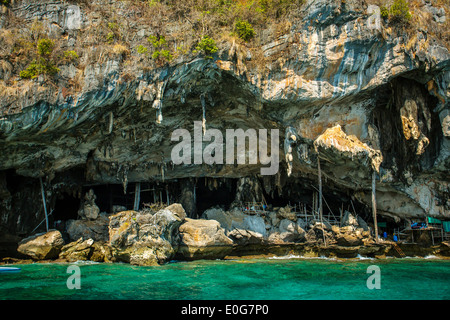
column 9, row 269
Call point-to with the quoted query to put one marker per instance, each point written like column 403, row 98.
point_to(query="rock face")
column 82, row 250
column 355, row 95
column 143, row 238
column 89, row 229
column 77, row 250
column 89, row 209
column 42, row 246
column 203, row 239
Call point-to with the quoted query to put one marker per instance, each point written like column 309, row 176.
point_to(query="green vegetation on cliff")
column 43, row 64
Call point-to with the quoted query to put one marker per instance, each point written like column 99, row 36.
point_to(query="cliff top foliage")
column 407, row 16
column 148, row 34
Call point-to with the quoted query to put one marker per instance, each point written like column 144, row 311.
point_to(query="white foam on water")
column 292, row 256
column 360, row 257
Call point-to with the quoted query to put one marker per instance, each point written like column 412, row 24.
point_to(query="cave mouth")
column 212, row 192
column 111, row 197
column 302, row 195
column 66, row 207
column 208, row 192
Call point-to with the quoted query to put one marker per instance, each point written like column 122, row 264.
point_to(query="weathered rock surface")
column 42, row 246
column 242, row 237
column 203, row 239
column 89, row 229
column 86, row 249
column 357, row 96
column 79, row 250
column 143, row 238
column 89, row 209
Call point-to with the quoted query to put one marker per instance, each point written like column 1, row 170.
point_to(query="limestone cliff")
column 104, row 120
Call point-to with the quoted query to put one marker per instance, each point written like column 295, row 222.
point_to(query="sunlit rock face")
column 331, row 68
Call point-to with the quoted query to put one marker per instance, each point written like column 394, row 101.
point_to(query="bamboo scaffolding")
column 43, row 202
column 374, row 206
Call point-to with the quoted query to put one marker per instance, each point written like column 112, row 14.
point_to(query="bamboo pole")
column 320, row 199
column 320, row 189
column 167, row 194
column 374, row 206
column 137, row 196
column 43, row 201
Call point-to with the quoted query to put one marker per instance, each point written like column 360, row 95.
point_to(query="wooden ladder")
column 399, row 250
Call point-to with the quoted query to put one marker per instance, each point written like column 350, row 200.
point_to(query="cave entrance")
column 302, row 195
column 66, row 207
column 211, row 192
column 111, row 197
column 388, row 226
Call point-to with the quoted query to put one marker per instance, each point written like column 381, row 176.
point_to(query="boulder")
column 144, row 238
column 272, row 219
column 227, row 219
column 79, row 250
column 349, row 220
column 101, row 252
column 362, row 224
column 318, row 232
column 42, row 246
column 254, row 223
column 285, row 213
column 245, row 237
column 236, row 219
column 291, row 231
column 348, row 240
column 275, row 238
column 89, row 209
column 203, row 239
column 89, row 229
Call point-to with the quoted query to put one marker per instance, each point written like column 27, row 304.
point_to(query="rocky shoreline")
column 153, row 237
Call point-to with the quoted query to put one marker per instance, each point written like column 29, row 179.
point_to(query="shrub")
column 157, row 42
column 110, row 37
column 35, row 69
column 113, row 26
column 244, row 30
column 399, row 12
column 384, row 12
column 141, row 49
column 43, row 64
column 70, row 55
column 161, row 52
column 152, row 3
column 30, row 72
column 207, row 46
column 45, row 47
column 166, row 54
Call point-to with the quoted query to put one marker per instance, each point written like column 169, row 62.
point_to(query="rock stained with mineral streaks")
column 94, row 123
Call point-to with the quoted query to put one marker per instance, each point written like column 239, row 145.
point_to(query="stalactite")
column 183, row 96
column 157, row 103
column 202, row 100
column 290, row 140
column 125, row 180
column 111, row 122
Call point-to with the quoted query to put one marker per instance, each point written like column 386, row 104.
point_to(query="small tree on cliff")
column 399, row 13
column 43, row 64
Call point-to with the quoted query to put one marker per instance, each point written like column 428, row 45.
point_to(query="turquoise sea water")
column 254, row 279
